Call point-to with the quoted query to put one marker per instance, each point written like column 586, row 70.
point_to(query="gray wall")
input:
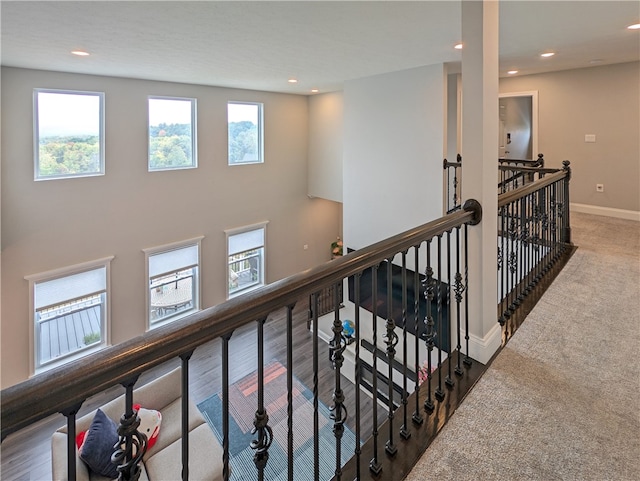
column 57, row 223
column 598, row 100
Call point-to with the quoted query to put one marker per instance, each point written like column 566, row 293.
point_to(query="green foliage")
column 69, row 155
column 243, row 141
column 91, row 338
column 170, row 146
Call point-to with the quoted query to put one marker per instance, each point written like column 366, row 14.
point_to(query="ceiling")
column 260, row 45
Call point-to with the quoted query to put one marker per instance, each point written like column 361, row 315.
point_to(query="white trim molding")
column 483, row 349
column 608, row 211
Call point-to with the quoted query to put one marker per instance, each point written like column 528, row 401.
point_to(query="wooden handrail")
column 53, row 391
column 512, row 195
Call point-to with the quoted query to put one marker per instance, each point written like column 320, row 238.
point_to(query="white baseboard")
column 608, row 211
column 482, row 349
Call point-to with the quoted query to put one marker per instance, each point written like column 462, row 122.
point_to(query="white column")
column 480, row 168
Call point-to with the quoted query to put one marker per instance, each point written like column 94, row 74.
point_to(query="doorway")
column 518, row 127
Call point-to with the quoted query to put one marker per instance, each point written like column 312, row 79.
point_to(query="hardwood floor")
column 26, row 455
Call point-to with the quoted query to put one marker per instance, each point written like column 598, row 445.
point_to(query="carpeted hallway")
column 561, row 400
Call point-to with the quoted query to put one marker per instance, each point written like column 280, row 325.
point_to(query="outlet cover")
column 590, row 137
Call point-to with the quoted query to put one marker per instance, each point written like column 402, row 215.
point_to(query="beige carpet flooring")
column 561, row 401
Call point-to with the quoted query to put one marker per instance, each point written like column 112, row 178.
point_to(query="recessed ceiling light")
column 292, row 81
column 315, row 91
column 635, row 26
column 547, row 54
column 80, row 53
column 458, row 46
column 512, row 72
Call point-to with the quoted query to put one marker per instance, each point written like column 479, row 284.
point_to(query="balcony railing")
column 397, row 338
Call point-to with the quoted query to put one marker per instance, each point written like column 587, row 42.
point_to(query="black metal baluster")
column 439, row 393
column 501, row 318
column 70, row 414
column 430, row 332
column 261, row 426
column 521, row 242
column 449, row 379
column 316, row 422
column 566, row 232
column 467, row 360
column 404, row 429
column 338, row 412
column 358, row 368
column 375, row 465
column 391, row 339
column 290, row 391
column 185, row 414
column 459, row 291
column 128, row 438
column 417, row 415
column 225, row 406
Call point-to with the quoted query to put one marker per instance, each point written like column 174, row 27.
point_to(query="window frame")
column 194, row 131
column 196, row 283
column 36, row 133
column 262, row 281
column 260, row 133
column 36, row 366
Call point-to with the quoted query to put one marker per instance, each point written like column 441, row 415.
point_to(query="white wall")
column 597, row 100
column 393, row 151
column 57, row 223
column 326, row 145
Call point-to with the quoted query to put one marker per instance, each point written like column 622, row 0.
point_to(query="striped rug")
column 243, row 402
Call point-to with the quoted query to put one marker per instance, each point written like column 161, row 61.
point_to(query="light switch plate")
column 590, row 137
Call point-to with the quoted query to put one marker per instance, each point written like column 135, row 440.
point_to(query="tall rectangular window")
column 68, row 134
column 174, row 286
column 245, row 133
column 245, row 254
column 172, row 133
column 69, row 313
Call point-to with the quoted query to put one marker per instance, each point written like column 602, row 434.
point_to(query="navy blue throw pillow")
column 98, row 445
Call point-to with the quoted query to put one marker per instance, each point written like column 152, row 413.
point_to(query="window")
column 174, row 286
column 245, row 133
column 245, row 250
column 172, row 133
column 68, row 134
column 70, row 313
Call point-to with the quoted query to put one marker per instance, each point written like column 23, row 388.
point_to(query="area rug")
column 243, row 396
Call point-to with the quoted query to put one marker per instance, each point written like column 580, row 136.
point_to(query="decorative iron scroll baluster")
column 290, row 391
column 70, row 414
column 417, row 415
column 261, row 426
column 467, row 360
column 391, row 340
column 358, row 366
column 338, row 414
column 439, row 392
column 449, row 379
column 375, row 465
column 501, row 270
column 316, row 422
column 225, row 406
column 404, row 429
column 184, row 358
column 129, row 438
column 459, row 291
column 428, row 284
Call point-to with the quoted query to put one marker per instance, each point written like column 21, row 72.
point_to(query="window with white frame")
column 174, row 285
column 172, row 133
column 246, row 258
column 68, row 134
column 245, row 127
column 70, row 313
